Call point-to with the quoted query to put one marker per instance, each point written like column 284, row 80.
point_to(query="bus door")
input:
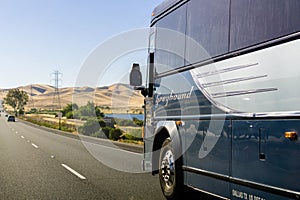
column 148, row 114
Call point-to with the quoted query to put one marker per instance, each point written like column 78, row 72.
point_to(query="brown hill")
column 119, row 98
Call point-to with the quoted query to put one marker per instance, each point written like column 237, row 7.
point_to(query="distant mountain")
column 118, row 97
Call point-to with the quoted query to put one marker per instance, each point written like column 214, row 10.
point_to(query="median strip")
column 73, row 171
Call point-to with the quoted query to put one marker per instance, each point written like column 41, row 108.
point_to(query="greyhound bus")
column 222, row 98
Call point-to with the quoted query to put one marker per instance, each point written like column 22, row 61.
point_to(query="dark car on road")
column 11, row 119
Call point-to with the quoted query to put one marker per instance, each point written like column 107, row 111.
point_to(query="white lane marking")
column 16, row 132
column 22, row 136
column 34, row 145
column 73, row 171
column 113, row 148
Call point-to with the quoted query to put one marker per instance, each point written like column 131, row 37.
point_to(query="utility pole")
column 57, row 79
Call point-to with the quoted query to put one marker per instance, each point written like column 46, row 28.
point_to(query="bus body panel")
column 233, row 112
column 261, row 153
column 209, row 155
column 173, row 102
column 251, row 137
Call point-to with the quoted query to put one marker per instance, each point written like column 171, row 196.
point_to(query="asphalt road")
column 40, row 164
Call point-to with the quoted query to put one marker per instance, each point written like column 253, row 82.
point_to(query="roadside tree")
column 69, row 110
column 17, row 99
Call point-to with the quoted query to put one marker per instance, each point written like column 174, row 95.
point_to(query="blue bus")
column 222, row 98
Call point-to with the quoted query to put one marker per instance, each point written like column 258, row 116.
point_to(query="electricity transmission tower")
column 57, row 79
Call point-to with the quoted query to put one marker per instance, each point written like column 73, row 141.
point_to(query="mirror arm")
column 143, row 89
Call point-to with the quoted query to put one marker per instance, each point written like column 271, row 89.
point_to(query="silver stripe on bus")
column 242, row 92
column 230, row 69
column 236, row 80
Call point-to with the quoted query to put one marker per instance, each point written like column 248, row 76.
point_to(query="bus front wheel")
column 170, row 172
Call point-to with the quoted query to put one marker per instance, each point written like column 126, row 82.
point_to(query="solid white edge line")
column 73, row 171
column 34, row 145
column 81, row 141
column 112, row 148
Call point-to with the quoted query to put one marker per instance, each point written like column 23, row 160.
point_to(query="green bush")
column 138, row 122
column 128, row 122
column 105, row 131
column 69, row 115
column 124, row 122
column 101, row 123
column 115, row 133
column 130, row 137
column 69, row 110
column 91, row 126
column 88, row 111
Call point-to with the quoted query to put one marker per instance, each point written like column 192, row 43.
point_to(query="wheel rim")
column 168, row 169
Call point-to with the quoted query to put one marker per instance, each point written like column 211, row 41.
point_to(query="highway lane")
column 37, row 164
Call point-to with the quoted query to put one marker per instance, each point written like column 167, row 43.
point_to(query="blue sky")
column 40, row 36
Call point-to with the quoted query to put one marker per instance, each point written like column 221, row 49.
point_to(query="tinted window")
column 208, row 25
column 256, row 21
column 170, row 40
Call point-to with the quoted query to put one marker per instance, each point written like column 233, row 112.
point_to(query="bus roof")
column 163, row 7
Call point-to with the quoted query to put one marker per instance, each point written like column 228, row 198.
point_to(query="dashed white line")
column 104, row 146
column 73, row 171
column 22, row 136
column 34, row 145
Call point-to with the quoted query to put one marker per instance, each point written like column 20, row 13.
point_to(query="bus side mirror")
column 135, row 75
column 136, row 79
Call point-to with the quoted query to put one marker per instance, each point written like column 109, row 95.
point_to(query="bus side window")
column 257, row 21
column 213, row 39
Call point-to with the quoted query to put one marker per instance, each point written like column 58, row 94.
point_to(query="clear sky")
column 38, row 37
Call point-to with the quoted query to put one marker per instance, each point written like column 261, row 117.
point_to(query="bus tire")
column 170, row 172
